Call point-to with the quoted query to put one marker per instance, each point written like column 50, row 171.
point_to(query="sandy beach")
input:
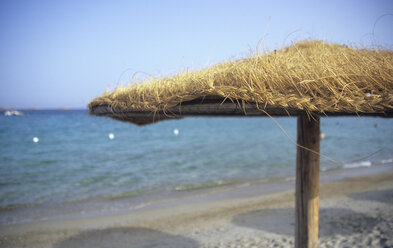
column 355, row 211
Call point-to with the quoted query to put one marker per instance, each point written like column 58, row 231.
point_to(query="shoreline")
column 232, row 215
column 103, row 206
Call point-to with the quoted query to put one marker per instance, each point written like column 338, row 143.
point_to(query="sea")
column 67, row 163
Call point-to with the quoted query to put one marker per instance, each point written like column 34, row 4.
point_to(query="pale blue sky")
column 64, row 53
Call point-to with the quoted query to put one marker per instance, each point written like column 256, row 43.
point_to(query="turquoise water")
column 75, row 159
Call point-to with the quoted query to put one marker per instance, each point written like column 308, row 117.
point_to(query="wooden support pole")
column 307, row 182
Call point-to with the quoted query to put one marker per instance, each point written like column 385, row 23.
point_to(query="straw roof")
column 311, row 76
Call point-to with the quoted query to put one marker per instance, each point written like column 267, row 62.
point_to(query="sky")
column 65, row 53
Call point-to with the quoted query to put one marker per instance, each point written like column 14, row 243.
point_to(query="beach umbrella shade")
column 305, row 80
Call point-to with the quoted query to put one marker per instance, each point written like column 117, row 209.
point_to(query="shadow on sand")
column 332, row 221
column 384, row 196
column 126, row 237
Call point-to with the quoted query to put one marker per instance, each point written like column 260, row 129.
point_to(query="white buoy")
column 111, row 136
column 176, row 131
column 36, row 139
column 322, row 136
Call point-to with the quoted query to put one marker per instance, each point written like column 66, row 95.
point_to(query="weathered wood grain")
column 307, row 182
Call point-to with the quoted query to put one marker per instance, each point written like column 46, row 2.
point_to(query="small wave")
column 290, row 179
column 11, row 207
column 139, row 206
column 358, row 164
column 330, row 168
column 386, row 161
column 123, row 195
column 205, row 185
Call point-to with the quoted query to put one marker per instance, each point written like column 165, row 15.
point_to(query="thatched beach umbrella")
column 307, row 80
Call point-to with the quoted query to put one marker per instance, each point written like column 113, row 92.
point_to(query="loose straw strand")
column 298, row 145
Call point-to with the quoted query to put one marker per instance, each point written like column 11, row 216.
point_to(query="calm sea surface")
column 75, row 159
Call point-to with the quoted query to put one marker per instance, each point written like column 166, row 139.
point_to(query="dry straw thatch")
column 313, row 76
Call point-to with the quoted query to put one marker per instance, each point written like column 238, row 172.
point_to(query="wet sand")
column 355, row 211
